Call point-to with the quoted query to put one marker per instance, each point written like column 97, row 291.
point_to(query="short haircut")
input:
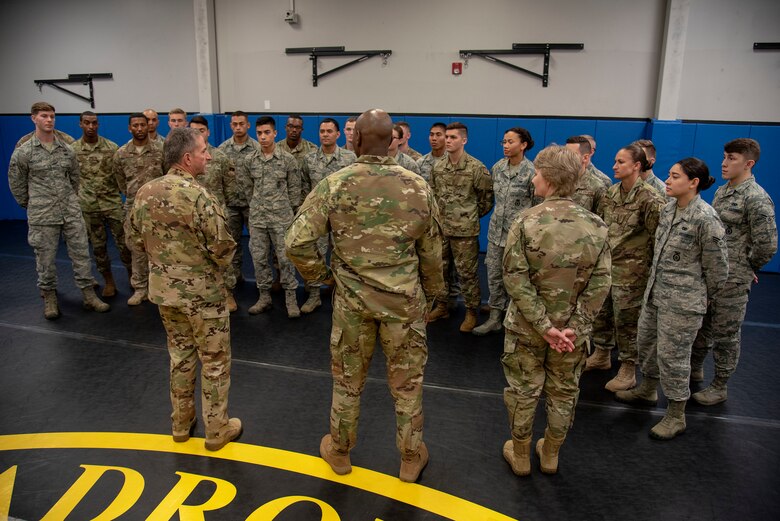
column 582, row 141
column 460, row 127
column 295, row 116
column 265, row 120
column 648, row 146
column 404, row 124
column 331, row 120
column 695, row 168
column 439, row 124
column 745, row 146
column 352, row 119
column 638, row 155
column 177, row 110
column 560, row 167
column 136, row 115
column 240, row 114
column 400, row 129
column 179, row 142
column 41, row 106
column 525, row 136
column 591, row 140
column 86, row 113
column 200, row 120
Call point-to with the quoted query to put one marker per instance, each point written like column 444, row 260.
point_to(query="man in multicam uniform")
column 590, row 189
column 177, row 118
column 43, row 176
column 316, row 166
column 219, row 179
column 385, row 277
column 404, row 142
column 398, row 156
column 349, row 128
column 293, row 143
column 604, row 178
column 553, row 304
column 153, row 120
column 135, row 163
column 464, row 193
column 514, row 192
column 181, row 227
column 436, row 139
column 238, row 148
column 649, row 176
column 276, row 182
column 99, row 197
column 748, row 215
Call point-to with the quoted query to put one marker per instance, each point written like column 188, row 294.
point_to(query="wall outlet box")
column 291, row 17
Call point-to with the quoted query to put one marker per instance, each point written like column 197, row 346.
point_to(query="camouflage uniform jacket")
column 426, row 162
column 220, row 176
column 238, row 154
column 134, row 166
column 301, row 150
column 589, row 191
column 601, row 176
column 181, row 227
column 316, row 166
column 412, row 153
column 276, row 189
column 690, row 261
column 514, row 192
column 386, row 257
column 748, row 214
column 62, row 136
column 407, row 162
column 632, row 220
column 464, row 193
column 45, row 183
column 556, row 269
column 656, row 183
column 98, row 189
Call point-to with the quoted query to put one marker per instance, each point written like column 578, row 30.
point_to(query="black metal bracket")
column 84, row 79
column 766, row 46
column 523, row 48
column 317, row 52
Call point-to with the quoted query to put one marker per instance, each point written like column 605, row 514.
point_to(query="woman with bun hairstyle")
column 690, row 263
column 631, row 210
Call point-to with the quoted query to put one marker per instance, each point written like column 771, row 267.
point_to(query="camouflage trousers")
column 617, row 321
column 45, row 239
column 464, row 253
column 722, row 329
column 260, row 242
column 139, row 279
column 237, row 217
column 664, row 339
column 494, row 262
column 352, row 341
column 531, row 369
column 199, row 332
column 96, row 228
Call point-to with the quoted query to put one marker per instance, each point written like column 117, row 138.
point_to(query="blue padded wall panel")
column 558, row 130
column 667, row 136
column 708, row 147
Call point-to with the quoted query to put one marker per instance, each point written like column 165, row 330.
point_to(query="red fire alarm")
column 457, row 68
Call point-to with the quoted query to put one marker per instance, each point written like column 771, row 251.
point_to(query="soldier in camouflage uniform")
column 238, row 148
column 514, row 192
column 385, row 276
column 404, row 142
column 135, row 163
column 748, row 215
column 630, row 209
column 99, row 197
column 316, row 166
column 181, row 227
column 690, row 264
column 590, row 189
column 294, row 144
column 553, row 304
column 436, row 139
column 61, row 136
column 349, row 129
column 276, row 182
column 153, row 120
column 398, row 156
column 43, row 176
column 464, row 193
column 604, row 178
column 648, row 176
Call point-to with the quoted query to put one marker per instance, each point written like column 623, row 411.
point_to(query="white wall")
column 147, row 44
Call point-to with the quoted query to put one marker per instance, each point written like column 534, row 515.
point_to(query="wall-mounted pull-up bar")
column 317, row 52
column 524, row 48
column 84, row 79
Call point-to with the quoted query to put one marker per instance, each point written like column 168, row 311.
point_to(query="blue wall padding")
column 674, row 140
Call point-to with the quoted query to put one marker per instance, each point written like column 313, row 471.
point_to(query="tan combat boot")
column 440, row 310
column 547, row 449
column 232, row 305
column 625, row 379
column 494, row 323
column 672, row 424
column 92, row 302
column 716, row 392
column 291, row 301
column 601, row 359
column 225, row 435
column 518, row 455
column 469, row 321
column 263, row 303
column 412, row 466
column 138, row 296
column 109, row 290
column 180, row 436
column 338, row 460
column 312, row 302
column 50, row 308
column 646, row 393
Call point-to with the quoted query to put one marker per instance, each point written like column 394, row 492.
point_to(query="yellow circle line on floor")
column 419, row 496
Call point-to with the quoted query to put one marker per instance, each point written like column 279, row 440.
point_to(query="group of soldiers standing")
column 573, row 260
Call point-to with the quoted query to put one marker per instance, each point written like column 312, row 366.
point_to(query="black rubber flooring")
column 107, row 373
